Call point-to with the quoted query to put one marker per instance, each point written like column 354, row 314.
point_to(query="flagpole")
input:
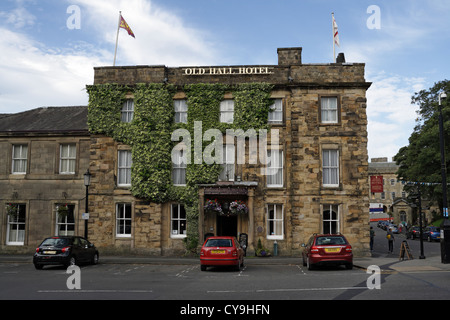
column 117, row 37
column 332, row 33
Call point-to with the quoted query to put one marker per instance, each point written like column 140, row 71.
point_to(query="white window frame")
column 227, row 109
column 179, row 165
column 278, row 223
column 20, row 159
column 228, row 163
column 175, row 234
column 329, row 110
column 124, row 169
column 127, row 112
column 275, row 168
column 276, row 113
column 331, row 208
column 122, row 220
column 181, row 110
column 67, row 160
column 64, row 223
column 330, row 169
column 15, row 225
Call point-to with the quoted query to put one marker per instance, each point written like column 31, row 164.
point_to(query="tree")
column 420, row 161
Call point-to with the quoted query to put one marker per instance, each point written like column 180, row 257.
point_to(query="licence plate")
column 218, row 251
column 50, row 252
column 330, row 250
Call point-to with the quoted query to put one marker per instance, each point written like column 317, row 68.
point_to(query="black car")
column 413, row 232
column 65, row 250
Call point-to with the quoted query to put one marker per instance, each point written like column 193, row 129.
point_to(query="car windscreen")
column 55, row 242
column 330, row 240
column 219, row 243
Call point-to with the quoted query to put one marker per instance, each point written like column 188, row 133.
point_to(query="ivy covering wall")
column 149, row 134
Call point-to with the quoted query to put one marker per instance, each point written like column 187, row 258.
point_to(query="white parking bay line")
column 94, row 291
column 313, row 289
column 290, row 290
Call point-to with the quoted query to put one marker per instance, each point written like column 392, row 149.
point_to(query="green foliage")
column 149, row 134
column 251, row 105
column 420, row 161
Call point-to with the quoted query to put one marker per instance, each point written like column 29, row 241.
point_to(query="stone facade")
column 33, row 146
column 395, row 202
column 38, row 175
column 307, row 204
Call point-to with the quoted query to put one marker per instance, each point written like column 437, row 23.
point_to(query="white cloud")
column 161, row 36
column 35, row 75
column 19, row 17
column 391, row 116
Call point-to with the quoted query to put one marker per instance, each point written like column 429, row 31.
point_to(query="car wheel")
column 309, row 265
column 95, row 258
column 304, row 261
column 38, row 266
column 349, row 266
column 203, row 267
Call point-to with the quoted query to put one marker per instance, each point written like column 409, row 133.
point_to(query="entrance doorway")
column 227, row 226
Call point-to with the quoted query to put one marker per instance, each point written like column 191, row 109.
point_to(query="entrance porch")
column 224, row 221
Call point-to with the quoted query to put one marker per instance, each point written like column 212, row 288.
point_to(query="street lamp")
column 422, row 256
column 445, row 227
column 87, row 183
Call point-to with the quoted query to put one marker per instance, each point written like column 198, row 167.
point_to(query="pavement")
column 386, row 263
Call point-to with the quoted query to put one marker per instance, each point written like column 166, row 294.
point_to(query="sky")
column 48, row 48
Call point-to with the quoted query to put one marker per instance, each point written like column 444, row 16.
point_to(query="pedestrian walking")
column 390, row 238
column 372, row 236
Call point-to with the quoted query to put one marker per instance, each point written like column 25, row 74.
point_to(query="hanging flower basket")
column 12, row 210
column 213, row 206
column 238, row 207
column 62, row 210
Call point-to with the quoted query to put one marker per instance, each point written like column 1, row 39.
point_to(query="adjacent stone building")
column 44, row 153
column 389, row 200
column 150, row 194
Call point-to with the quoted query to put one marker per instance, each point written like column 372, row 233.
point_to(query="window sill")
column 179, row 236
column 123, row 236
column 275, row 237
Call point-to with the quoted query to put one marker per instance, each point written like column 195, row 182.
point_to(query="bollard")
column 275, row 248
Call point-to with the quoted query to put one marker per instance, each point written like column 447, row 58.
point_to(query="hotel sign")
column 217, row 71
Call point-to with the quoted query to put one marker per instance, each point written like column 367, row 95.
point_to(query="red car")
column 326, row 249
column 221, row 251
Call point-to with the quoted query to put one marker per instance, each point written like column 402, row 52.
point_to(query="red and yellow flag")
column 123, row 24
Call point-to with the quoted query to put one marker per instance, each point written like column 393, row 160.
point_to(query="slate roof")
column 46, row 120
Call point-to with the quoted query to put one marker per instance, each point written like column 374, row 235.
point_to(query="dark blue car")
column 65, row 250
column 432, row 233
